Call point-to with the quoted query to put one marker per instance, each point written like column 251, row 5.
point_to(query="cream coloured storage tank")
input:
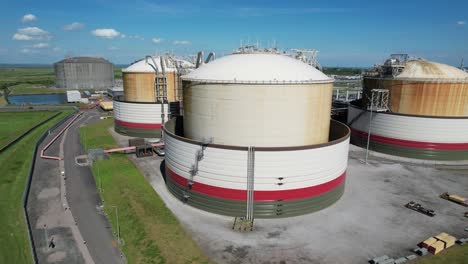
column 424, row 88
column 257, row 99
column 138, row 113
column 425, row 117
column 139, row 79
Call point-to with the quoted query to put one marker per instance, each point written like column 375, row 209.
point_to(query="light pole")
column 118, row 226
column 46, row 236
column 99, row 177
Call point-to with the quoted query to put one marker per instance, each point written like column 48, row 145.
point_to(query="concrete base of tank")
column 368, row 221
column 457, row 164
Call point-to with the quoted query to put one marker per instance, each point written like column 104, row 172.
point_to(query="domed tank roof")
column 84, row 60
column 422, row 69
column 144, row 67
column 257, row 68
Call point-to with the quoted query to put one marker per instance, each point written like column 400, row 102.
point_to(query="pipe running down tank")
column 274, row 105
column 427, row 111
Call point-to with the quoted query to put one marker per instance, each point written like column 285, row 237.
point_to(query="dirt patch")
column 48, row 193
column 56, row 256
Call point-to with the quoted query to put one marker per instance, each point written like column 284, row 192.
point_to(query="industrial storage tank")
column 151, row 91
column 84, row 73
column 245, row 99
column 421, row 110
column 139, row 78
column 256, row 136
column 424, row 88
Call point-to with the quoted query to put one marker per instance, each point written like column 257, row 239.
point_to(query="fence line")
column 29, row 179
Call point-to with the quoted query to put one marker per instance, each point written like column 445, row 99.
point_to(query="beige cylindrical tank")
column 139, row 78
column 259, row 99
column 425, row 88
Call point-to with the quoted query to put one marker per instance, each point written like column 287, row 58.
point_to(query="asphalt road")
column 45, row 205
column 84, row 200
column 46, row 213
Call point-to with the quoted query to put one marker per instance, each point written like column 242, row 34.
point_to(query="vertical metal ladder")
column 250, row 183
column 160, row 83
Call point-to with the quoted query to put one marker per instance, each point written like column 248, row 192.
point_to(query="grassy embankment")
column 117, row 73
column 32, row 81
column 3, row 102
column 27, row 88
column 13, row 124
column 455, row 255
column 14, row 164
column 28, row 80
column 342, row 70
column 150, row 232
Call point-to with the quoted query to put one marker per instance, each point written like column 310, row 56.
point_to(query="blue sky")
column 347, row 33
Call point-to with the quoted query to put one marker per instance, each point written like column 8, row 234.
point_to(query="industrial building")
column 413, row 108
column 151, row 91
column 256, row 138
column 84, row 73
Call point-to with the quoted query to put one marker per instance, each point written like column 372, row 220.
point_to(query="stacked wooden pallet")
column 438, row 243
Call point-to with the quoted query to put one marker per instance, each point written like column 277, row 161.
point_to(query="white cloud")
column 28, row 18
column 40, row 45
column 108, row 33
column 157, row 40
column 181, row 42
column 35, row 31
column 73, row 26
column 26, row 50
column 31, row 33
column 113, row 48
column 18, row 36
column 136, row 37
column 56, row 49
column 123, row 36
column 461, row 23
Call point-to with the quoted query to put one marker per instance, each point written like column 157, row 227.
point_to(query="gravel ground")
column 368, row 221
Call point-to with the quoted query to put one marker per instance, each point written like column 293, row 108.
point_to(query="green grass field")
column 3, row 102
column 13, row 124
column 27, row 88
column 455, row 255
column 14, row 164
column 117, row 73
column 33, row 80
column 43, row 76
column 150, row 232
column 342, row 70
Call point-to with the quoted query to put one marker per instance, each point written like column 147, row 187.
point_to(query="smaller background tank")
column 420, row 87
column 139, row 78
column 419, row 111
column 145, row 105
column 84, row 73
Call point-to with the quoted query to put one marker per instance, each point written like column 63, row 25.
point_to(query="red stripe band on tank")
column 410, row 143
column 263, row 196
column 137, row 125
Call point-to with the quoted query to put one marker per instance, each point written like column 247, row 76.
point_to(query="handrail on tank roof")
column 259, row 81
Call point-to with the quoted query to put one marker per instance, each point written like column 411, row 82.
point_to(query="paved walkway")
column 66, row 210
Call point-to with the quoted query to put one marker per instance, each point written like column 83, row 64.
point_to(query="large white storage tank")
column 144, row 106
column 246, row 100
column 427, row 111
column 265, row 111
